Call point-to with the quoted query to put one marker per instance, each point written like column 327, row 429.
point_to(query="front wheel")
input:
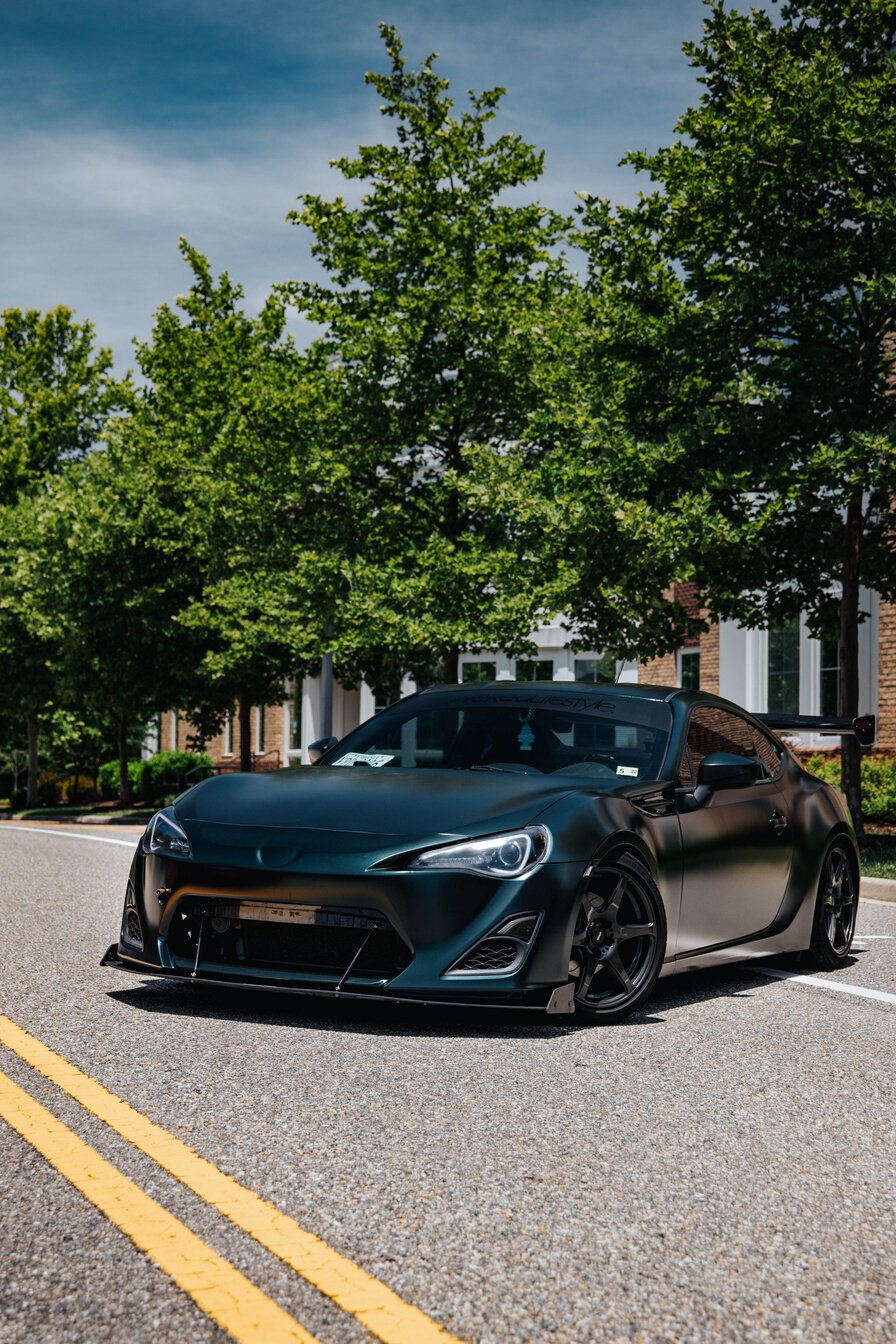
column 836, row 907
column 619, row 941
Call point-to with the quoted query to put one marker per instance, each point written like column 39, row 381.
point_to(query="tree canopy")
column 757, row 290
column 439, row 312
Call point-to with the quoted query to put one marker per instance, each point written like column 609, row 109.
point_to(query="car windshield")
column 600, row 737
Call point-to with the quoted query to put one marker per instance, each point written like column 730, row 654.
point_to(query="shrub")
column 164, row 773
column 167, row 772
column 109, row 778
column 17, row 799
column 79, row 789
column 879, row 788
column 878, row 782
column 48, row 789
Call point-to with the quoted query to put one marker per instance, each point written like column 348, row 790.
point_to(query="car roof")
column 599, row 689
column 623, row 690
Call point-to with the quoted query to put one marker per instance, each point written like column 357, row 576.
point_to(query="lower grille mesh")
column 325, row 946
column 493, row 954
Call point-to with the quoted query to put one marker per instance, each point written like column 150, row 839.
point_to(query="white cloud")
column 91, row 210
column 92, row 219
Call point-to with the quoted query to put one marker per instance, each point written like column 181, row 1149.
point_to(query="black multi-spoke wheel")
column 835, row 908
column 619, row 941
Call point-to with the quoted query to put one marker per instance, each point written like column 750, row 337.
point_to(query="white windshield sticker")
column 620, row 769
column 364, row 758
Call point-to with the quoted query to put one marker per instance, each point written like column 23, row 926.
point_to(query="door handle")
column 778, row 822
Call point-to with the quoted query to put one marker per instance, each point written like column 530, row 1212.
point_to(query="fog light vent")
column 521, row 926
column 502, row 950
column 131, row 932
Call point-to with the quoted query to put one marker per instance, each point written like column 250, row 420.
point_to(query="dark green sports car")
column 551, row 846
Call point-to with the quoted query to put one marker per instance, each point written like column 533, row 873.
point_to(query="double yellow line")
column 221, row 1291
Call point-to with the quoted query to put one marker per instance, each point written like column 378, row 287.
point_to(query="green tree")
column 56, row 392
column 102, row 582
column 755, row 290
column 230, row 426
column 440, row 318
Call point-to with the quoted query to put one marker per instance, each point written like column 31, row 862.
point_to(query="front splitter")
column 560, row 1001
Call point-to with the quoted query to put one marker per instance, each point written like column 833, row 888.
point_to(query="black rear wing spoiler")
column 827, row 725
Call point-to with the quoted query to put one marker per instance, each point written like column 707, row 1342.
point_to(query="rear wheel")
column 836, row 908
column 619, row 941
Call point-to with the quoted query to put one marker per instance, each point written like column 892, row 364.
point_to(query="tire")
column 613, row 974
column 836, row 906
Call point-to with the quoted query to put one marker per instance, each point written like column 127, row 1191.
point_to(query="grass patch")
column 136, row 815
column 879, row 862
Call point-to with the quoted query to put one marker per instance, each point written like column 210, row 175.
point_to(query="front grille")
column 324, row 945
column 494, row 954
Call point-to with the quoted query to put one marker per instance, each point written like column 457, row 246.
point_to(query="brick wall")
column 272, row 734
column 659, row 671
column 709, row 660
column 886, row 676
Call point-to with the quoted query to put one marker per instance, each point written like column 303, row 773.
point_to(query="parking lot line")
column 837, row 986
column 221, row 1291
column 377, row 1307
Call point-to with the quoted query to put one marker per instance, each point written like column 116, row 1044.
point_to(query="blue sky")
column 126, row 125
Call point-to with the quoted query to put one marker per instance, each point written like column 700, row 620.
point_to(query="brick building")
column 782, row 669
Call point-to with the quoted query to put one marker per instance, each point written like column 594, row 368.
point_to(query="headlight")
column 164, row 836
column 499, row 856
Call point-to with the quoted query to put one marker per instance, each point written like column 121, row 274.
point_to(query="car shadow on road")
column 276, row 1008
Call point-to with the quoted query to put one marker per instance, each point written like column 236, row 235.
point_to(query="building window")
column 829, row 677
column 689, row 669
column 295, row 724
column 535, row 669
column 784, row 667
column 477, row 672
column 596, row 669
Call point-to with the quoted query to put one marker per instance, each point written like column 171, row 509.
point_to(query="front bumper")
column 559, row 1001
column 434, row 918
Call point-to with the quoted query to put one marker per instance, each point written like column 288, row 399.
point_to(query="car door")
column 737, row 846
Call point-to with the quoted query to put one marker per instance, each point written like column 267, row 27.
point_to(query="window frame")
column 682, row 656
column 778, row 749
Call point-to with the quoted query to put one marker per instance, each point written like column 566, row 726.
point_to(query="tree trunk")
column 31, row 727
column 245, row 718
column 851, row 752
column 449, row 667
column 124, row 777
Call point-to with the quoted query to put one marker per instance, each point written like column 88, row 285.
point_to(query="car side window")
column 711, row 729
column 768, row 753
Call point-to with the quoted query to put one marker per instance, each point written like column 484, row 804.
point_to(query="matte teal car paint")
column 302, row 880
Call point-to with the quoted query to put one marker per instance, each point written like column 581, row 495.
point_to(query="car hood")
column 353, row 810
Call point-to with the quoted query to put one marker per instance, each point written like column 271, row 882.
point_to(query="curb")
column 878, row 888
column 89, row 819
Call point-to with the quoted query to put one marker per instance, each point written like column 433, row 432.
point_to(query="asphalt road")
column 722, row 1167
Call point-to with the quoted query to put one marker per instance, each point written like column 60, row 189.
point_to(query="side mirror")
column 320, row 748
column 724, row 770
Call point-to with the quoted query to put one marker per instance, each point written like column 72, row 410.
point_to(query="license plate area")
column 319, row 916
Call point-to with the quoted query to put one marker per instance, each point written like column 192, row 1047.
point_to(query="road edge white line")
column 838, row 988
column 70, row 835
